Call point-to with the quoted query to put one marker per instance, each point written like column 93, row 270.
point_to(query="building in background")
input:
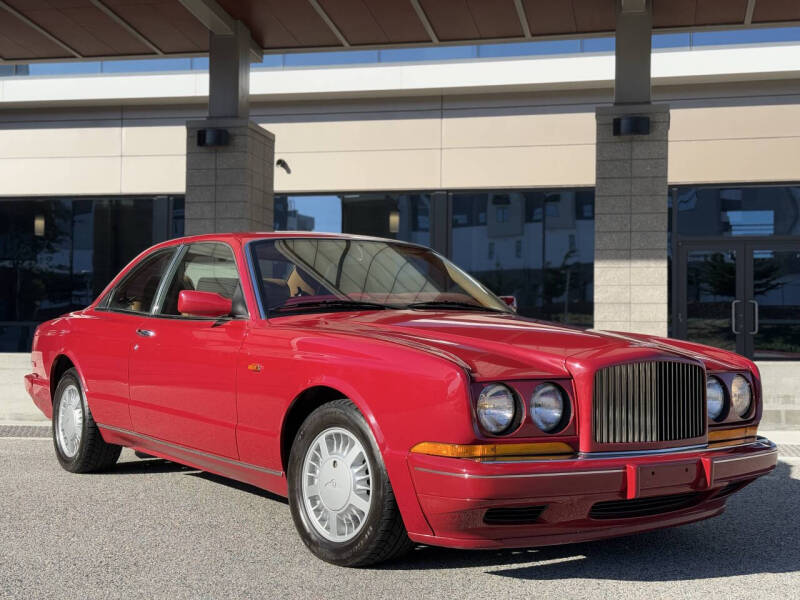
column 500, row 177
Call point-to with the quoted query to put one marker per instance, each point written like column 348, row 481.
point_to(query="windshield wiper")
column 453, row 304
column 322, row 304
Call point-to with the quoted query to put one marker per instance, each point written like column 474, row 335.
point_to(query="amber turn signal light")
column 732, row 434
column 492, row 450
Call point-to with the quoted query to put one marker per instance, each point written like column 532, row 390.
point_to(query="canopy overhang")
column 60, row 30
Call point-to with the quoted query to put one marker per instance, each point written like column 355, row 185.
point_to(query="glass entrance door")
column 711, row 293
column 742, row 296
column 773, row 311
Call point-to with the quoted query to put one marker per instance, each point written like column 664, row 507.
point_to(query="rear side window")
column 137, row 291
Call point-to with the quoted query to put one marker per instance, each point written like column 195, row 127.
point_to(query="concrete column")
column 230, row 188
column 630, row 269
column 229, row 183
column 632, row 83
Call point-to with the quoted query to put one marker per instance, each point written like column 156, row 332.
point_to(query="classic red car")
column 393, row 398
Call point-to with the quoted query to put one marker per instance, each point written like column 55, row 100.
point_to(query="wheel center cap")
column 334, row 484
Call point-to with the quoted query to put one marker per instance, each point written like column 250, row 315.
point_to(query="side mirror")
column 511, row 301
column 203, row 304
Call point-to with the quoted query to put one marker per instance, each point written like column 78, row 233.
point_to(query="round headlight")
column 715, row 398
column 741, row 395
column 547, row 406
column 496, row 408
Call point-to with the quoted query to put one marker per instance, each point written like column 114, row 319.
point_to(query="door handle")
column 733, row 316
column 145, row 332
column 755, row 316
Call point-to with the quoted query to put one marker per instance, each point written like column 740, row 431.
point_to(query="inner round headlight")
column 496, row 408
column 741, row 395
column 547, row 406
column 715, row 396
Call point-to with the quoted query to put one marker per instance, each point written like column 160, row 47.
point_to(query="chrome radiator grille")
column 655, row 401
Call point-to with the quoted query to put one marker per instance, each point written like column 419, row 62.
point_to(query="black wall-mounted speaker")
column 632, row 126
column 213, row 137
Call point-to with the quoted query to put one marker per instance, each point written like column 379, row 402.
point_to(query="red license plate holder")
column 644, row 477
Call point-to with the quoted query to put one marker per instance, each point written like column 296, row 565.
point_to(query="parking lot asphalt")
column 154, row 529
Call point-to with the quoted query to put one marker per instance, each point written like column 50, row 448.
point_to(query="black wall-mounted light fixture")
column 213, row 137
column 283, row 165
column 631, row 126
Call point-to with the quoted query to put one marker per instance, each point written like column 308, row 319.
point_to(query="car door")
column 183, row 368
column 105, row 336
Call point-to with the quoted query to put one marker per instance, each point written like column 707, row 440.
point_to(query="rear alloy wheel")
column 339, row 493
column 79, row 446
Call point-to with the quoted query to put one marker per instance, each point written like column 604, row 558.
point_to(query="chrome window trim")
column 252, row 269
column 168, row 275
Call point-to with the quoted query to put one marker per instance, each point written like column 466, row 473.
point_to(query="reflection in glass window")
column 530, row 48
column 57, row 254
column 321, row 59
column 739, row 211
column 390, row 215
column 537, row 245
column 137, row 292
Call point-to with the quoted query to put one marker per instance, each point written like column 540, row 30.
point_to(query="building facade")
column 489, row 159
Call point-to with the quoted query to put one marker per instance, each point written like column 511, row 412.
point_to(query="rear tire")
column 80, row 448
column 343, row 507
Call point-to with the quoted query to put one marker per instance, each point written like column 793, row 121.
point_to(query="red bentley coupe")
column 393, row 398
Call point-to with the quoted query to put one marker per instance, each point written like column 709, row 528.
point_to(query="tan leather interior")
column 298, row 285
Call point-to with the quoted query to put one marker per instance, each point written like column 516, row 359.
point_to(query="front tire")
column 341, row 500
column 80, row 448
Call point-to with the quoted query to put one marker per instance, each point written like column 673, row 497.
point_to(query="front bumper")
column 455, row 494
column 39, row 391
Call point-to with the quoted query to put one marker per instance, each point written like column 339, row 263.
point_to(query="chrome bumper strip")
column 767, row 445
column 519, row 475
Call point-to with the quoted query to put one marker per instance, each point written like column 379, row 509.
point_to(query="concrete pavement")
column 152, row 529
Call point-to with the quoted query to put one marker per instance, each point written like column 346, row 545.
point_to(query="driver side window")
column 206, row 267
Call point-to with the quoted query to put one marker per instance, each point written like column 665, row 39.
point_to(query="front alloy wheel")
column 337, row 484
column 339, row 493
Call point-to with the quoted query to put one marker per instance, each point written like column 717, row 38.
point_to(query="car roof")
column 248, row 236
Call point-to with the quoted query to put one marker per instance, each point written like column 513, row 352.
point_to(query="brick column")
column 630, row 268
column 229, row 188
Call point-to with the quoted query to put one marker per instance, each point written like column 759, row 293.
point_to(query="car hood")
column 507, row 346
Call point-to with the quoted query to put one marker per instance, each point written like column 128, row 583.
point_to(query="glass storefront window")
column 537, row 245
column 389, row 215
column 57, row 254
column 738, row 211
column 734, row 267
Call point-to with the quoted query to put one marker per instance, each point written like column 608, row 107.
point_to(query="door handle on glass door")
column 755, row 316
column 733, row 317
column 145, row 332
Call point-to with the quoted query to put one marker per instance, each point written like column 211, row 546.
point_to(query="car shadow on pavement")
column 158, row 465
column 238, row 485
column 145, row 466
column 759, row 532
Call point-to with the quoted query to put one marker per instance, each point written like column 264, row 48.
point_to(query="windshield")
column 322, row 274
